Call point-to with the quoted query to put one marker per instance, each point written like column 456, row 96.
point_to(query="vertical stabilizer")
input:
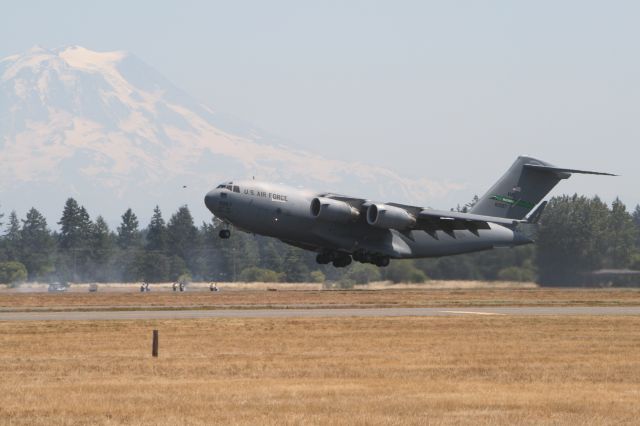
column 520, row 189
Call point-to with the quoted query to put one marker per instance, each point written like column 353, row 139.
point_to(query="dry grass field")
column 393, row 296
column 447, row 370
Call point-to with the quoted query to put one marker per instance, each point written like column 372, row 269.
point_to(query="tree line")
column 577, row 235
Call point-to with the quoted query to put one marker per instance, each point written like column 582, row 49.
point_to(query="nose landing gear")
column 224, row 234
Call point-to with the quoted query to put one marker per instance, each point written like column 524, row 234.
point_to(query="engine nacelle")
column 331, row 210
column 389, row 217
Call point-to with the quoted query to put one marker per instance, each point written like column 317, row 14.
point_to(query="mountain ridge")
column 111, row 131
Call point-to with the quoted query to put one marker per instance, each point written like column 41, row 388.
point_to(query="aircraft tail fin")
column 522, row 187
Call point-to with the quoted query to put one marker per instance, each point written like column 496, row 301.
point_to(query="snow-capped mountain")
column 109, row 130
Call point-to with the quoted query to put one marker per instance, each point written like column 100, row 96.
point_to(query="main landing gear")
column 381, row 261
column 340, row 260
column 224, row 234
column 374, row 258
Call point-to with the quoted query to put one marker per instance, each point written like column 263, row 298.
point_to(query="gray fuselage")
column 285, row 213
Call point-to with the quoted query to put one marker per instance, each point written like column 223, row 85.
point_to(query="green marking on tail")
column 513, row 201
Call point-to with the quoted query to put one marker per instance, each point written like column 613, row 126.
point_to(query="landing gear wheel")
column 225, row 234
column 323, row 258
column 361, row 256
column 342, row 261
column 382, row 261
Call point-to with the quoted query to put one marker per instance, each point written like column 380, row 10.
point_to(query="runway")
column 316, row 313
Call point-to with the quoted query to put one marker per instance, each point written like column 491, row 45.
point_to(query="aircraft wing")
column 358, row 203
column 431, row 220
column 429, row 214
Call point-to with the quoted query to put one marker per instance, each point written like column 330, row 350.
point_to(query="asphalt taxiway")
column 317, row 313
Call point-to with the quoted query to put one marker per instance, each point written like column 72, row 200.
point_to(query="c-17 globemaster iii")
column 341, row 228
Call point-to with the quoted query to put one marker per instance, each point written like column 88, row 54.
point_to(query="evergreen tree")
column 467, row 207
column 12, row 272
column 636, row 220
column 404, row 271
column 211, row 264
column 636, row 216
column 463, row 267
column 75, row 226
column 12, row 238
column 74, row 262
column 85, row 223
column 621, row 236
column 154, row 264
column 127, row 262
column 128, row 233
column 361, row 273
column 177, row 268
column 236, row 254
column 156, row 232
column 572, row 239
column 3, row 251
column 295, row 268
column 243, row 251
column 271, row 254
column 182, row 235
column 127, row 265
column 101, row 249
column 37, row 245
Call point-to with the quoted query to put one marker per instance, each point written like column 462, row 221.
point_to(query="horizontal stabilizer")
column 561, row 170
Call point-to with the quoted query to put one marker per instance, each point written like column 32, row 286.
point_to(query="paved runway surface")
column 314, row 313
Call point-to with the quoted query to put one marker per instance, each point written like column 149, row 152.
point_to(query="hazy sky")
column 449, row 90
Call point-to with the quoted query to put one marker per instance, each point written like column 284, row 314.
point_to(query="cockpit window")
column 229, row 186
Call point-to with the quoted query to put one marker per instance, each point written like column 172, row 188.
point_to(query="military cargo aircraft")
column 341, row 228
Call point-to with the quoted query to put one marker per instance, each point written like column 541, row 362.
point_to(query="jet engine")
column 332, row 210
column 389, row 217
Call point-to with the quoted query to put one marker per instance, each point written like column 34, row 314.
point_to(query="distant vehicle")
column 342, row 228
column 57, row 286
column 93, row 288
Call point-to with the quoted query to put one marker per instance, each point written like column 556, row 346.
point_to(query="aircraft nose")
column 210, row 199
